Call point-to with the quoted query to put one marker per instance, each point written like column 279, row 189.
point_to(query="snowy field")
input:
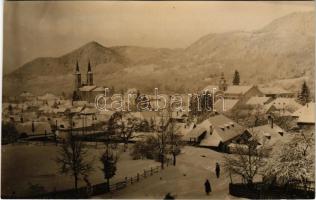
column 23, row 165
column 185, row 180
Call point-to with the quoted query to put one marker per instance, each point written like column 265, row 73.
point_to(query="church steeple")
column 77, row 77
column 77, row 67
column 222, row 83
column 89, row 75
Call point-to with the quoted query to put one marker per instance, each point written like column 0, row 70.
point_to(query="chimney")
column 271, row 122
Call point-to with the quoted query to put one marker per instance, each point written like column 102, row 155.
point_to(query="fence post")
column 137, row 177
column 132, row 180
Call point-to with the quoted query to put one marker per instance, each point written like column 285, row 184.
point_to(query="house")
column 270, row 135
column 284, row 106
column 86, row 91
column 33, row 128
column 241, row 92
column 103, row 116
column 305, row 115
column 48, row 99
column 276, row 92
column 46, row 110
column 215, row 132
column 238, row 92
column 26, row 96
column 225, row 105
column 261, row 104
column 259, row 101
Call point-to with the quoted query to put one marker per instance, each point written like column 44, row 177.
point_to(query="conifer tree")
column 236, row 79
column 304, row 94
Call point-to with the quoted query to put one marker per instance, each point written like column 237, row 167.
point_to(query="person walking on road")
column 217, row 170
column 207, row 186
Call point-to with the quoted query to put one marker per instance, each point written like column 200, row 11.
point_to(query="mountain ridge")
column 278, row 48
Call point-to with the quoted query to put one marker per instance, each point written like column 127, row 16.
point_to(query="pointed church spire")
column 77, row 67
column 77, row 77
column 89, row 67
column 222, row 83
column 89, row 75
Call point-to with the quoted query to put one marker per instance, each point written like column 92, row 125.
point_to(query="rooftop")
column 258, row 100
column 238, row 89
column 274, row 90
column 87, row 88
column 306, row 114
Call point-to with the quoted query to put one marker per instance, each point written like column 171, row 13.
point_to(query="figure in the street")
column 169, row 197
column 207, row 186
column 89, row 190
column 218, row 170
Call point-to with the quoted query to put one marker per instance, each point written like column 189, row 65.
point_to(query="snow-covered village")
column 231, row 116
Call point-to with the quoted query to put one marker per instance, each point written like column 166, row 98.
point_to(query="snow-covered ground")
column 35, row 164
column 185, row 180
column 24, row 164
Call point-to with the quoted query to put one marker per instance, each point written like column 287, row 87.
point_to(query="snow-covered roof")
column 211, row 88
column 195, row 133
column 26, row 94
column 80, row 103
column 48, row 96
column 258, row 100
column 238, row 89
column 87, row 88
column 88, row 111
column 39, row 128
column 99, row 89
column 274, row 90
column 306, row 114
column 218, row 122
column 288, row 104
column 267, row 134
column 225, row 105
column 224, row 128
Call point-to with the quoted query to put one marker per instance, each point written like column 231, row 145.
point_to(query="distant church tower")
column 89, row 75
column 77, row 78
column 222, row 83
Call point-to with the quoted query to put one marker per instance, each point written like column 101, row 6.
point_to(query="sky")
column 50, row 29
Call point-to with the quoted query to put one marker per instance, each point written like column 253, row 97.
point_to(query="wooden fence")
column 264, row 191
column 98, row 189
column 134, row 179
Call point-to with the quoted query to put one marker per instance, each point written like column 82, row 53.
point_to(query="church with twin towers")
column 85, row 91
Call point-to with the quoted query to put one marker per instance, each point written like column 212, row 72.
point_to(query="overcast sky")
column 37, row 29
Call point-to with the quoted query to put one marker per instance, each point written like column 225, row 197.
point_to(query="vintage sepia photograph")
column 158, row 100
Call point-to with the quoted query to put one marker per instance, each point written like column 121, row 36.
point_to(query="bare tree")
column 173, row 138
column 71, row 159
column 123, row 127
column 126, row 129
column 248, row 161
column 162, row 138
